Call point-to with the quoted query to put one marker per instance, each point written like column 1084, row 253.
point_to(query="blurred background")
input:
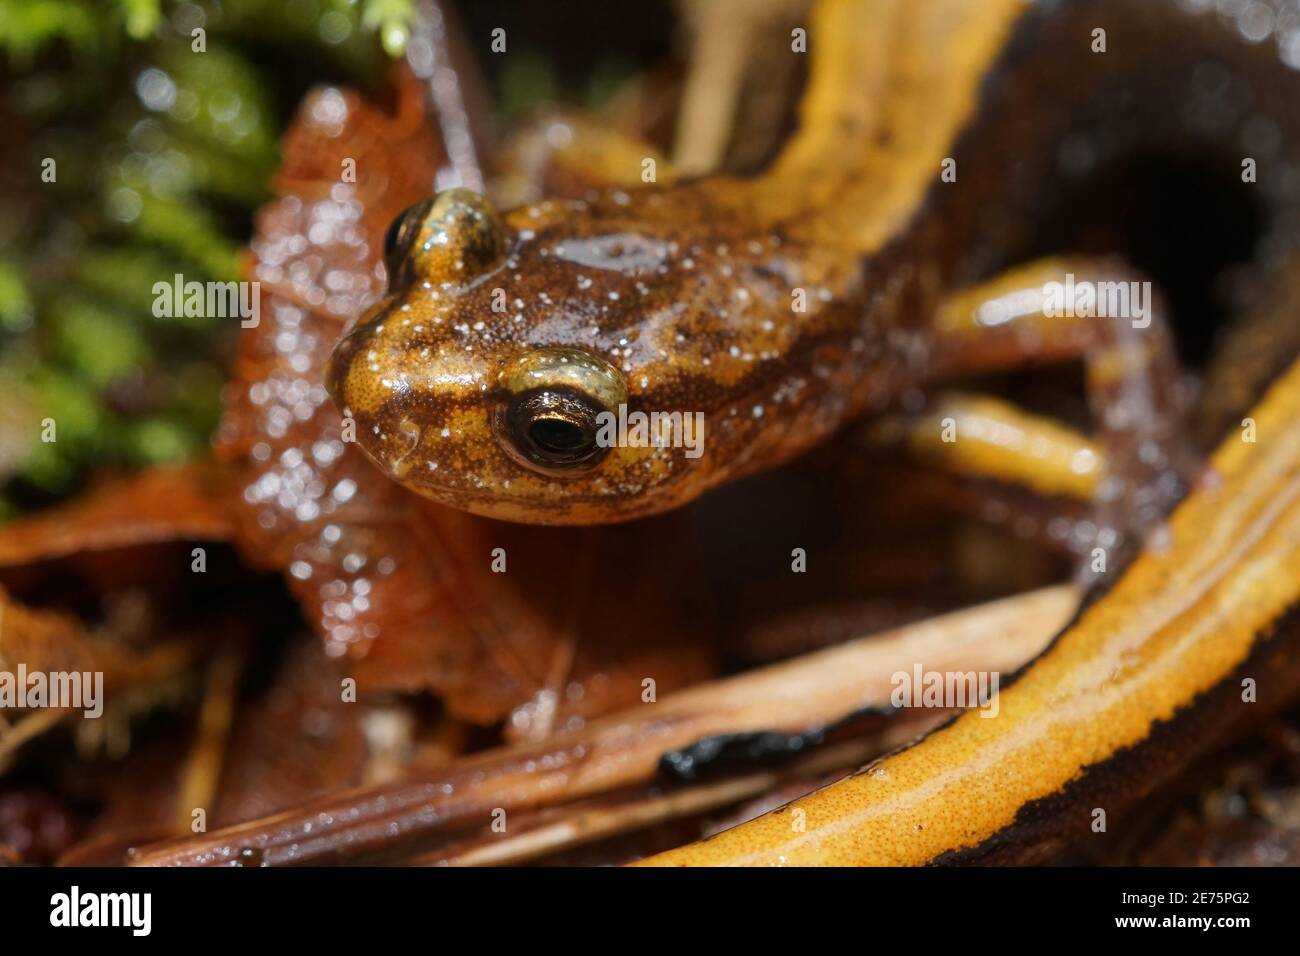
column 162, row 159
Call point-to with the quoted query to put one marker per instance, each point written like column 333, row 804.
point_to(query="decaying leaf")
column 165, row 504
column 110, row 673
column 405, row 590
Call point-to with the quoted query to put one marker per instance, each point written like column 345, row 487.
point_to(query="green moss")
column 141, row 17
column 74, row 408
column 26, row 26
column 163, row 156
column 156, row 441
column 95, row 345
column 15, row 300
column 391, row 20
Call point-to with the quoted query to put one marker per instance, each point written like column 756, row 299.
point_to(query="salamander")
column 774, row 309
column 934, row 140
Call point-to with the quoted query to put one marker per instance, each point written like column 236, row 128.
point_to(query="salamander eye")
column 554, row 428
column 452, row 237
column 401, row 233
column 555, row 405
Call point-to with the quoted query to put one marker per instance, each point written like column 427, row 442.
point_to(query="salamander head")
column 552, row 365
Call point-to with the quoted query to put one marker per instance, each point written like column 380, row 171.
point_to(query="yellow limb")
column 989, row 438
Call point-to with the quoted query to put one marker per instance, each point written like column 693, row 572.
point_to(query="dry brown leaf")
column 165, row 504
column 402, row 588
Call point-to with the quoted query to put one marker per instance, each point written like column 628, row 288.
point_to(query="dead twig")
column 202, row 770
column 574, row 825
column 624, row 749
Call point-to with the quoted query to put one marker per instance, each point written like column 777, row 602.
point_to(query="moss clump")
column 131, row 156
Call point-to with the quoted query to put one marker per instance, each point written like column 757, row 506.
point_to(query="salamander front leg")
column 1031, row 474
column 1097, row 310
column 988, row 437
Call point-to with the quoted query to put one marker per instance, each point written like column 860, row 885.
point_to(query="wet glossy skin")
column 690, row 316
column 721, row 298
column 776, row 308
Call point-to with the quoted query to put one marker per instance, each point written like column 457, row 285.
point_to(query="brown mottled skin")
column 717, row 296
column 685, row 323
column 778, row 307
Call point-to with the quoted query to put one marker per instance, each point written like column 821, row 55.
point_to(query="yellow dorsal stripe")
column 892, row 85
